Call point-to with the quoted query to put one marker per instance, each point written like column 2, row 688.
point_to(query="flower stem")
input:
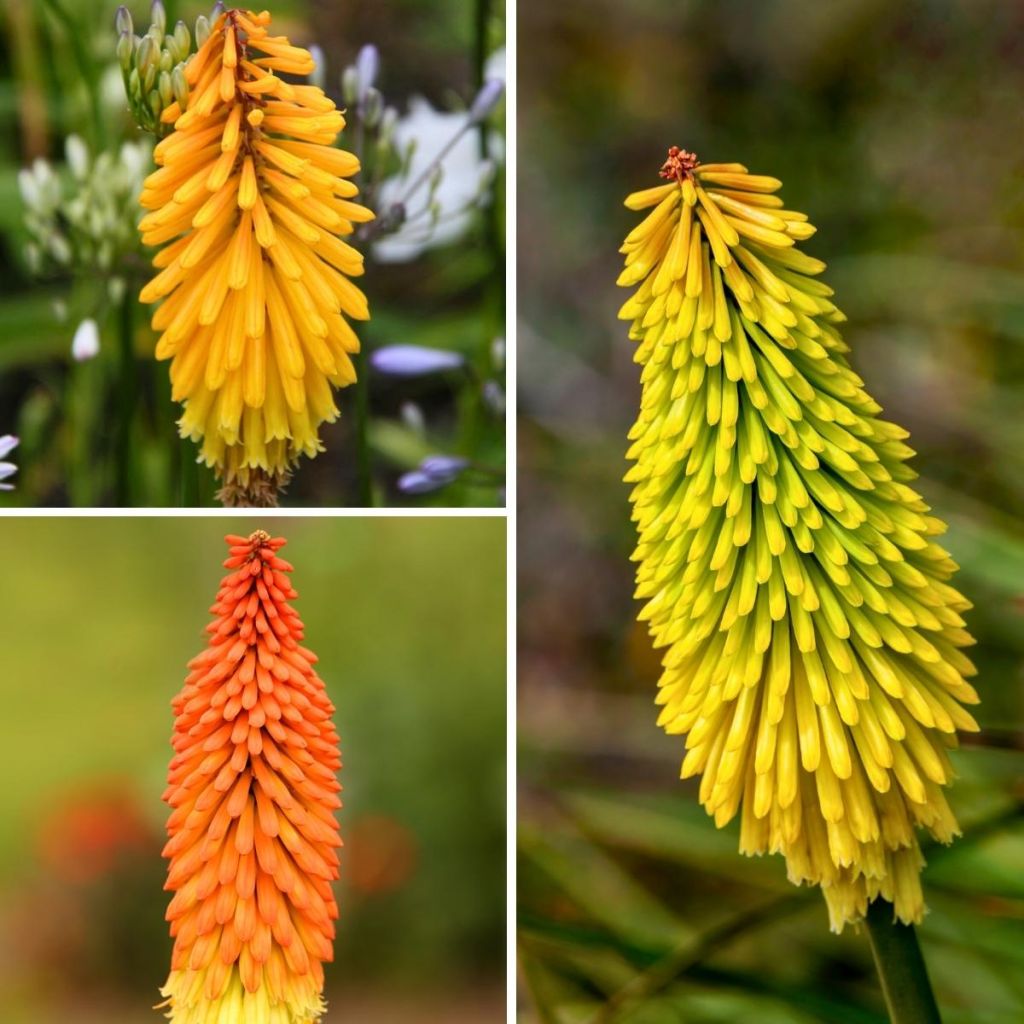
column 364, row 475
column 901, row 968
column 364, row 478
column 127, row 387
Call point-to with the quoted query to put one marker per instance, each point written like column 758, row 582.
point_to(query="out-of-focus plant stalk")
column 86, row 68
column 364, row 469
column 901, row 968
column 87, row 475
column 364, row 473
column 127, row 388
column 28, row 67
column 472, row 403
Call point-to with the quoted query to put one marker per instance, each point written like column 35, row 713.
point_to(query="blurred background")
column 897, row 128
column 100, row 617
column 78, row 382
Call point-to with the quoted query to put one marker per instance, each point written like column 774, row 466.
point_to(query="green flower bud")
column 149, row 78
column 146, row 54
column 373, row 108
column 202, row 30
column 124, row 51
column 180, row 86
column 165, row 89
column 183, row 39
column 156, row 105
column 166, row 60
column 349, row 85
column 159, row 16
column 123, row 21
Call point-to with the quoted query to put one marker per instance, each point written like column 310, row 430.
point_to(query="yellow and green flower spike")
column 789, row 571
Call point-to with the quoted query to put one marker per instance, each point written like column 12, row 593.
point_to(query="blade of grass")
column 686, row 956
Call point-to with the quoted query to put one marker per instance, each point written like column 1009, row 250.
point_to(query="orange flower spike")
column 252, row 837
column 248, row 207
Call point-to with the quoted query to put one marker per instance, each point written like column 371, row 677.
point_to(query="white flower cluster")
column 437, row 146
column 82, row 216
column 442, row 176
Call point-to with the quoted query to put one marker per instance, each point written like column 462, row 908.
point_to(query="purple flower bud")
column 318, row 75
column 486, row 99
column 414, row 360
column 416, row 482
column 443, row 467
column 367, row 63
column 433, row 473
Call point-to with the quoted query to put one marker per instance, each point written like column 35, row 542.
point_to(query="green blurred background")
column 99, row 618
column 103, row 432
column 897, row 127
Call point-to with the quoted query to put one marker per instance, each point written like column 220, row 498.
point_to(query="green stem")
column 189, row 470
column 126, row 394
column 472, row 411
column 481, row 25
column 901, row 969
column 364, row 475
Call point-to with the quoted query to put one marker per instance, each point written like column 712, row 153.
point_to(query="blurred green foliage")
column 100, row 617
column 103, row 433
column 896, row 127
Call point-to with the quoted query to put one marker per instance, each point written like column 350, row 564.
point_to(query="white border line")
column 270, row 513
column 511, row 489
column 508, row 512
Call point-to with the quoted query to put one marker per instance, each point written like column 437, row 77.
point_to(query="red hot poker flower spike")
column 253, row 787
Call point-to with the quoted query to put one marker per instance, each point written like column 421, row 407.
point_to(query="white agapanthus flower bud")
column 77, row 155
column 86, row 343
column 442, row 214
column 8, row 442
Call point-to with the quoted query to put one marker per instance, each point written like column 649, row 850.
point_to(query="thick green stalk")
column 901, row 969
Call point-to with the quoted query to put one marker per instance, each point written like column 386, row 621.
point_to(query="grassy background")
column 896, row 127
column 99, row 619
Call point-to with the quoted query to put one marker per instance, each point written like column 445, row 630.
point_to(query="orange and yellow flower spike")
column 247, row 205
column 253, row 788
column 812, row 641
